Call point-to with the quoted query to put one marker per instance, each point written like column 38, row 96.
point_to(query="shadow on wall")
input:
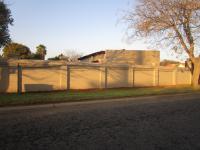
column 37, row 87
column 139, row 58
column 41, row 78
column 117, row 77
column 125, row 57
column 94, row 78
column 4, row 77
column 118, row 57
column 84, row 78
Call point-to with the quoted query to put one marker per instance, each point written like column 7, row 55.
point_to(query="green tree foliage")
column 34, row 56
column 5, row 21
column 17, row 51
column 59, row 57
column 41, row 51
column 54, row 58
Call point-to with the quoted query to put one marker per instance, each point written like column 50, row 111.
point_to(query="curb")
column 87, row 102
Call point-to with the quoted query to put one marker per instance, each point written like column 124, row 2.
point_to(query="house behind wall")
column 124, row 57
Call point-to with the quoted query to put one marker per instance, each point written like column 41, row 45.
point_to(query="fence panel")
column 183, row 77
column 117, row 77
column 8, row 79
column 50, row 78
column 41, row 79
column 166, row 77
column 144, row 77
column 85, row 77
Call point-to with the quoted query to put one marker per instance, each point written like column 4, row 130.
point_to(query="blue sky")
column 82, row 25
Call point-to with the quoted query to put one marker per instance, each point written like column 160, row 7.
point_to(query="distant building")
column 124, row 57
column 172, row 63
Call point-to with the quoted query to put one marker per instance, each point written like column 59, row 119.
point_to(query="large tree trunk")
column 196, row 73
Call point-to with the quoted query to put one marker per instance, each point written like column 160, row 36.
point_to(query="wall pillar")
column 175, row 77
column 106, row 77
column 19, row 79
column 156, row 77
column 68, row 77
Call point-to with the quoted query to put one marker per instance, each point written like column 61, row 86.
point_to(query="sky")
column 85, row 26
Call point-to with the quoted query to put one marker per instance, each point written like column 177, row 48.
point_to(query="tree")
column 174, row 21
column 41, row 51
column 60, row 57
column 34, row 56
column 72, row 55
column 54, row 58
column 15, row 50
column 5, row 21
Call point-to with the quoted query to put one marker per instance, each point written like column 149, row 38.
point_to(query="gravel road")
column 149, row 123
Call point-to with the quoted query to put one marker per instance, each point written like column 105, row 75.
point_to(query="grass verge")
column 72, row 96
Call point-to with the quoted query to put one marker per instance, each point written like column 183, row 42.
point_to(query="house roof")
column 103, row 52
column 92, row 54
